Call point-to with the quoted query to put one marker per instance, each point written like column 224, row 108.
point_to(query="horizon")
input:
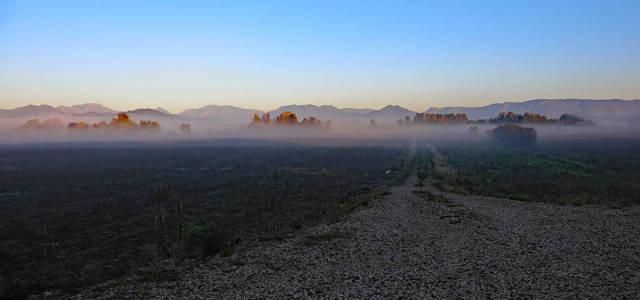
column 352, row 55
column 305, row 104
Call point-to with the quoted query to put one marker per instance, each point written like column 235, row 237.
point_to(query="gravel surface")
column 409, row 246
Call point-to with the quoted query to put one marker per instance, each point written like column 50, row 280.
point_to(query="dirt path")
column 408, row 246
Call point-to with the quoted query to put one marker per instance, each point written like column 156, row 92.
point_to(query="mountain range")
column 330, row 112
column 599, row 110
column 219, row 113
column 614, row 111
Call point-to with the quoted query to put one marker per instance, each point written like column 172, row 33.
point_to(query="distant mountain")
column 81, row 109
column 613, row 111
column 27, row 111
column 48, row 110
column 357, row 111
column 148, row 113
column 162, row 110
column 602, row 112
column 220, row 113
column 324, row 112
column 389, row 113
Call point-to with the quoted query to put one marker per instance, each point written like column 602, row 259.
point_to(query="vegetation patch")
column 98, row 214
column 574, row 172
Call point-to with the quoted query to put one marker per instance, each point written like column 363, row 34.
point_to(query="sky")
column 264, row 54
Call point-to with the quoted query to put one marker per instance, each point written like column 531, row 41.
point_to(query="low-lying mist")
column 11, row 132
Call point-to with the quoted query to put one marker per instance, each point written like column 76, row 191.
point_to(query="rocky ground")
column 428, row 245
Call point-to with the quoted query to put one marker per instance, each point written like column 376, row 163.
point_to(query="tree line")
column 533, row 118
column 121, row 122
column 287, row 118
column 501, row 118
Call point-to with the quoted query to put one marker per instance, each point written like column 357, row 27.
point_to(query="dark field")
column 571, row 172
column 77, row 216
column 74, row 217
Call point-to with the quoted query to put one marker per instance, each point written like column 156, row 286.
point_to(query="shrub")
column 514, row 136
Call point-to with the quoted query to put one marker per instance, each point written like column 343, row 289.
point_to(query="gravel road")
column 409, row 246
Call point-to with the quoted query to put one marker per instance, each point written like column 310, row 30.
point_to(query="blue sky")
column 263, row 54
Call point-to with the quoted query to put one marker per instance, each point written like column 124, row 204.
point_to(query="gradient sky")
column 263, row 54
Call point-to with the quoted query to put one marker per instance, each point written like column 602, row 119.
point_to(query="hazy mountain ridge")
column 44, row 109
column 149, row 112
column 389, row 113
column 220, row 113
column 603, row 112
column 81, row 109
column 162, row 110
column 600, row 111
column 28, row 110
column 323, row 112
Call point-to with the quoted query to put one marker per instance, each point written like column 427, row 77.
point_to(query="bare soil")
column 428, row 245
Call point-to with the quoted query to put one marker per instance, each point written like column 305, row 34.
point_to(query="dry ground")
column 419, row 246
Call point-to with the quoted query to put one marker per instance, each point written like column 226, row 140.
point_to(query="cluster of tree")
column 502, row 118
column 443, row 119
column 185, row 128
column 567, row 119
column 120, row 122
column 47, row 124
column 405, row 121
column 513, row 118
column 514, row 136
column 83, row 125
column 287, row 118
column 533, row 118
column 433, row 119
